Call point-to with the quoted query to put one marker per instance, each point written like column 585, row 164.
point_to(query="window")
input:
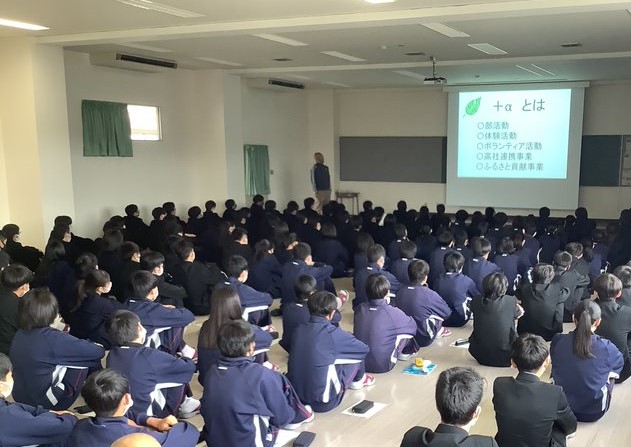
column 145, row 122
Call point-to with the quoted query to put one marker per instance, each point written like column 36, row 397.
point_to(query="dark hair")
column 377, row 287
column 375, row 253
column 131, row 209
column 453, row 262
column 5, row 366
column 301, row 251
column 607, row 286
column 84, row 263
column 460, row 237
column 157, row 212
column 494, row 285
column 236, row 265
column 141, row 283
column 151, row 260
column 462, row 215
column 234, row 338
column 258, row 198
column 445, row 238
column 544, row 211
column 210, row 205
column 238, row 233
column 586, row 313
column 168, row 207
column 480, row 246
column 308, row 202
column 226, row 307
column 15, row 276
column 66, row 220
column 10, row 230
column 59, row 231
column 367, row 205
column 364, row 242
column 321, row 304
column 261, row 248
column 230, row 204
column 128, row 249
column 418, row 271
column 529, row 351
column 574, row 248
column 305, row 287
column 542, row 273
column 183, row 249
column 506, row 246
column 104, row 390
column 500, row 219
column 122, row 328
column 93, row 280
column 112, row 240
column 270, row 205
column 623, row 273
column 328, row 230
column 407, row 249
column 194, row 212
column 562, row 259
column 458, row 393
column 37, row 309
column 402, row 205
column 400, row 231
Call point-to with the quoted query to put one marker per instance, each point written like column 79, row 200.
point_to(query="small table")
column 354, row 196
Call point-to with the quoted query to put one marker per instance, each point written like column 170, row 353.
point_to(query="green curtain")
column 256, row 158
column 106, row 129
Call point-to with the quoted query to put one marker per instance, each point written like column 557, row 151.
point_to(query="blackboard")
column 393, row 159
column 600, row 160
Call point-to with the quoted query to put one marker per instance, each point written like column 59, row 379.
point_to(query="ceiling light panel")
column 410, row 74
column 145, row 47
column 346, row 57
column 281, row 39
column 444, row 29
column 529, row 70
column 218, row 61
column 162, row 8
column 487, row 48
column 543, row 69
column 22, row 25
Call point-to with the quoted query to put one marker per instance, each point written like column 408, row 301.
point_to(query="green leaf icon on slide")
column 473, row 106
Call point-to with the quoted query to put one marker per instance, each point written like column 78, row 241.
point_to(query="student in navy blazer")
column 394, row 247
column 50, row 366
column 457, row 289
column 303, row 264
column 523, row 253
column 425, row 306
column 107, row 393
column 480, row 266
column 437, row 257
column 330, row 251
column 623, row 273
column 255, row 304
column 376, row 261
column 586, row 365
column 569, row 278
column 266, row 272
column 399, row 267
column 508, row 263
column 22, row 424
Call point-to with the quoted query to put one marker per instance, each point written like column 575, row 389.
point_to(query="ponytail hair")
column 261, row 248
column 93, row 280
column 585, row 314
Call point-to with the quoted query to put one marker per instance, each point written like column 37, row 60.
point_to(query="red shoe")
column 367, row 380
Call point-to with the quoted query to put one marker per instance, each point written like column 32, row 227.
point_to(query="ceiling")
column 530, row 32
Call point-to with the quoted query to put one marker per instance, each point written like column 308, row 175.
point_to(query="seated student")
column 425, row 306
column 165, row 325
column 130, row 263
column 226, row 308
column 330, row 251
column 542, row 301
column 362, row 244
column 579, row 263
column 523, row 253
column 303, row 265
column 22, row 425
column 376, row 261
column 325, row 360
column 615, row 323
column 255, row 304
column 199, row 279
column 572, row 280
column 394, row 248
column 458, row 395
column 508, row 263
column 297, row 313
column 266, row 272
column 385, row 329
column 109, row 254
column 457, row 289
column 158, row 380
column 107, row 393
column 136, row 230
column 237, row 245
column 170, row 294
column 50, row 366
column 585, row 364
column 93, row 308
column 53, row 268
column 480, row 266
column 600, row 246
column 245, row 404
column 399, row 267
column 623, row 273
column 494, row 315
column 28, row 256
column 156, row 228
column 195, row 225
column 436, row 260
column 5, row 259
column 425, row 242
column 461, row 242
column 14, row 283
column 528, row 410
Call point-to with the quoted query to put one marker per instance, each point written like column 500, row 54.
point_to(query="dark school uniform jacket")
column 319, row 350
column 576, row 283
column 457, row 290
column 615, row 326
column 479, row 268
column 295, row 314
column 527, row 409
column 532, row 245
column 509, row 265
column 103, row 431
column 436, row 263
column 494, row 331
column 444, row 436
column 149, row 371
column 394, row 249
column 199, row 281
column 265, row 275
column 89, row 321
column 584, row 381
column 361, row 277
column 399, row 268
column 293, row 269
column 170, row 292
column 8, row 318
column 252, row 301
column 331, row 252
column 155, row 316
column 40, row 360
column 382, row 327
column 428, row 310
column 543, row 307
column 22, row 425
column 625, row 298
column 244, row 404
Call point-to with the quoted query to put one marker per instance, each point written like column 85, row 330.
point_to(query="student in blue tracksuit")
column 399, row 267
column 245, row 404
column 437, row 256
column 93, row 308
column 376, row 261
column 425, row 306
column 508, row 263
column 50, row 366
column 586, row 365
column 457, row 289
column 22, row 424
column 107, row 393
column 394, row 248
column 266, row 271
column 330, row 251
column 325, row 360
column 158, row 380
column 255, row 304
column 385, row 329
column 226, row 308
column 522, row 253
column 303, row 264
column 165, row 324
column 479, row 266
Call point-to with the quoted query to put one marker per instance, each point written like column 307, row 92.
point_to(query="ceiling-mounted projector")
column 434, row 79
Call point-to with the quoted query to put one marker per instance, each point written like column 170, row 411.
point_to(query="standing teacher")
column 321, row 181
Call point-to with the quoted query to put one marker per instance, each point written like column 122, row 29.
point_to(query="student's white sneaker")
column 189, row 408
column 367, row 380
column 404, row 357
column 342, row 297
column 189, row 352
column 310, row 418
